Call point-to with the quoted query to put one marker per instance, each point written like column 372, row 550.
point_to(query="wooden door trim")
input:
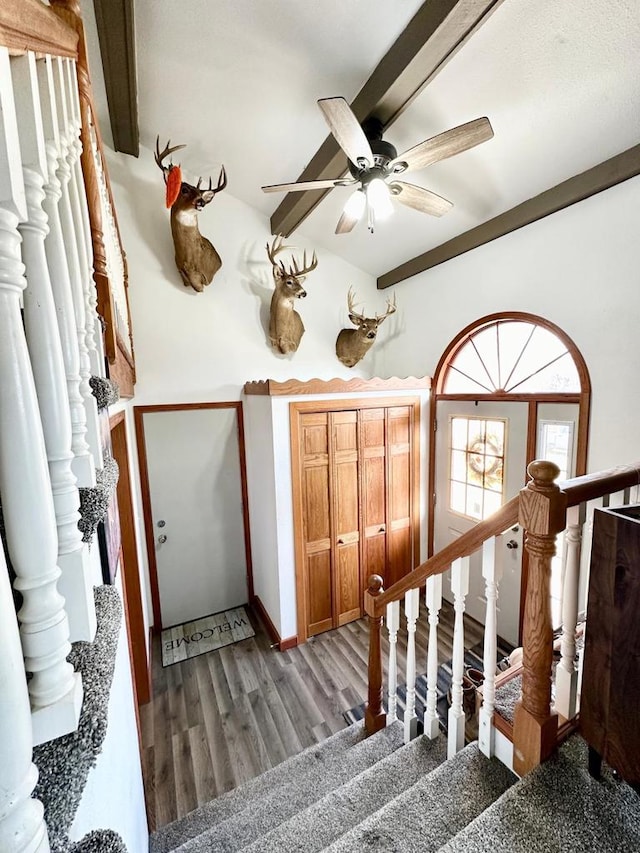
column 138, row 413
column 131, row 586
column 299, row 408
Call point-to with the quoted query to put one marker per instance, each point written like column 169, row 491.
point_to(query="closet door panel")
column 346, row 509
column 399, row 449
column 374, row 503
column 316, row 515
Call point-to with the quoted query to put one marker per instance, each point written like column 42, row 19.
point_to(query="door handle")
column 512, row 544
column 340, row 541
column 382, row 529
column 162, row 539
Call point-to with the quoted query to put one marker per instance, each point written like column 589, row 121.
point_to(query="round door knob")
column 340, row 541
column 162, row 539
column 512, row 544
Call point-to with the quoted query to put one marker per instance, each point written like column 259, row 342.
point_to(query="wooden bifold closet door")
column 357, row 508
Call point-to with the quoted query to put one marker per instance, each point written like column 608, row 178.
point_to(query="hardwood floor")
column 221, row 718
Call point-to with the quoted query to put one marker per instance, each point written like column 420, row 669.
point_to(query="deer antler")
column 351, row 305
column 391, row 307
column 222, row 183
column 160, row 155
column 278, row 246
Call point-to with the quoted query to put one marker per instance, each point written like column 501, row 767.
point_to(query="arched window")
column 511, row 356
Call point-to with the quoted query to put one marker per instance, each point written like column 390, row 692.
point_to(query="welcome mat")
column 473, row 659
column 205, row 635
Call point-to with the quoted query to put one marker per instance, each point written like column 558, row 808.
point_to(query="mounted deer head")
column 353, row 344
column 285, row 326
column 196, row 258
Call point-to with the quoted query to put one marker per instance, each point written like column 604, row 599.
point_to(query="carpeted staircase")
column 351, row 794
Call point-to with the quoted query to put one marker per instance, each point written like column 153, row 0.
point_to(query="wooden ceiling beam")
column 435, row 33
column 116, row 33
column 601, row 177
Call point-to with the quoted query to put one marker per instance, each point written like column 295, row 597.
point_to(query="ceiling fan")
column 375, row 165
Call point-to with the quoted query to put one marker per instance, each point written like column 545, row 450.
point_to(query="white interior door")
column 469, row 467
column 194, row 471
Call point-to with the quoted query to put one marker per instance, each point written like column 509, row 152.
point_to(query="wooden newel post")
column 374, row 715
column 543, row 510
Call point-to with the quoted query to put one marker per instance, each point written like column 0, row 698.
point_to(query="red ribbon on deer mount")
column 174, row 182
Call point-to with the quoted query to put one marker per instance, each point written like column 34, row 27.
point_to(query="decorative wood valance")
column 291, row 387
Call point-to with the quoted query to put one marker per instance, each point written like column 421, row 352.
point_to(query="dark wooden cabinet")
column 356, row 508
column 610, row 698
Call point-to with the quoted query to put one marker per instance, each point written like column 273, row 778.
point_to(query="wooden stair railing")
column 541, row 509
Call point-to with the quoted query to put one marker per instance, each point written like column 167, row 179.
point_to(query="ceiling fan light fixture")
column 354, row 208
column 379, row 198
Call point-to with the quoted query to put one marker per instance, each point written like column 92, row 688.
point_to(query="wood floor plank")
column 186, row 797
column 203, row 775
column 212, row 715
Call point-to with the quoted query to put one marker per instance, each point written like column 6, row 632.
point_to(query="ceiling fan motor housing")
column 383, row 153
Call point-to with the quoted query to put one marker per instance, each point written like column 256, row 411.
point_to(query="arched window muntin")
column 517, row 375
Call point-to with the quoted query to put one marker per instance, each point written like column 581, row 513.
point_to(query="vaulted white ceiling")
column 238, row 80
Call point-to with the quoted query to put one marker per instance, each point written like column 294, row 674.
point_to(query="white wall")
column 579, row 268
column 113, row 797
column 203, row 346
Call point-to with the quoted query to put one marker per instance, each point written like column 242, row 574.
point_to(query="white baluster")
column 22, row 826
column 25, row 486
column 411, row 609
column 83, row 464
column 566, row 672
column 45, row 350
column 70, row 225
column 492, row 569
column 81, row 219
column 92, row 308
column 393, row 623
column 433, row 598
column 459, row 588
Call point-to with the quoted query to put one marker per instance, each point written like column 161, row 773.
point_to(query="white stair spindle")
column 492, row 569
column 393, row 624
column 22, row 826
column 411, row 607
column 567, row 672
column 433, row 599
column 27, row 502
column 80, row 217
column 83, row 464
column 68, row 203
column 45, row 350
column 92, row 311
column 459, row 588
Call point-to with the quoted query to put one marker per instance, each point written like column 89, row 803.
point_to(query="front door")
column 480, row 465
column 197, row 513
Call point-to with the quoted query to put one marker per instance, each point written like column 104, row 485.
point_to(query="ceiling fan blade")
column 346, row 128
column 420, row 199
column 301, row 186
column 445, row 144
column 347, row 222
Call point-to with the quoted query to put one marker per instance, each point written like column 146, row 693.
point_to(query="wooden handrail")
column 577, row 490
column 463, row 546
column 591, row 486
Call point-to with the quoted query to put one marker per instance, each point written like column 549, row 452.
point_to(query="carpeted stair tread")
column 557, row 808
column 432, row 811
column 230, row 802
column 311, row 830
column 262, row 814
